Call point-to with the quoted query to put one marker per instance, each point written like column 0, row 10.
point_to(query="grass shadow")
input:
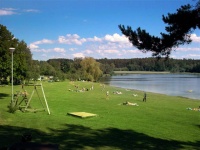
column 2, row 95
column 198, row 126
column 81, row 137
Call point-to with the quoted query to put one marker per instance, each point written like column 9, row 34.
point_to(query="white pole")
column 12, row 50
column 45, row 99
column 12, row 76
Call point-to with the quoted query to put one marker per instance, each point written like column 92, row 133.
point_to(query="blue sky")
column 89, row 28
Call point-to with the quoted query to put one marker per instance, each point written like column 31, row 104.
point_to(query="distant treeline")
column 135, row 64
column 92, row 69
column 154, row 64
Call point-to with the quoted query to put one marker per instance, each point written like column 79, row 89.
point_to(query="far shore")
column 141, row 72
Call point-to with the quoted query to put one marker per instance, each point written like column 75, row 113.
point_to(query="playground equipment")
column 24, row 95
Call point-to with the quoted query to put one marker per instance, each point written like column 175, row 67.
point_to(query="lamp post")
column 12, row 50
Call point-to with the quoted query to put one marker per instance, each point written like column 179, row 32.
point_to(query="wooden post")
column 45, row 99
column 29, row 100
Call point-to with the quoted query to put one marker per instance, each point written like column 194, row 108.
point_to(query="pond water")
column 185, row 85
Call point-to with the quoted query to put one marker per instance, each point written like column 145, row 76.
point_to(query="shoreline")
column 141, row 72
column 152, row 72
column 192, row 95
column 153, row 92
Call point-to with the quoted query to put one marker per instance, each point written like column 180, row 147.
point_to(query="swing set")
column 26, row 105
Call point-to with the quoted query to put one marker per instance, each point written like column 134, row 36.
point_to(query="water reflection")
column 186, row 85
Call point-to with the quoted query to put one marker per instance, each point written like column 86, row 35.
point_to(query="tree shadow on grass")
column 2, row 95
column 81, row 137
column 198, row 126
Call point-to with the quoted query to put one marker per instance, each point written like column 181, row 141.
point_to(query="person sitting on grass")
column 107, row 95
column 196, row 109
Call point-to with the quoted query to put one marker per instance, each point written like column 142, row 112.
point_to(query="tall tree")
column 22, row 56
column 6, row 41
column 91, row 69
column 47, row 69
column 178, row 29
column 33, row 71
column 22, row 61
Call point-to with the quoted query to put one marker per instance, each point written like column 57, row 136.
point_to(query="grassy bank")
column 163, row 122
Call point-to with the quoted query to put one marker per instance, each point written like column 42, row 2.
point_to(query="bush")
column 13, row 107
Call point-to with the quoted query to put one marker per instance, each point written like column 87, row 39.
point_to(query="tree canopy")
column 178, row 29
column 90, row 69
column 22, row 56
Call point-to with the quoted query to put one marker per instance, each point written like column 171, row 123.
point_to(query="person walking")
column 145, row 97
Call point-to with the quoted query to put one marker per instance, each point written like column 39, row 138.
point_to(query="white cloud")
column 94, row 39
column 195, row 38
column 60, row 50
column 7, row 11
column 31, row 10
column 194, row 55
column 75, row 39
column 41, row 50
column 188, row 56
column 99, row 51
column 44, row 55
column 46, row 50
column 44, row 41
column 133, row 51
column 186, row 49
column 116, row 38
column 111, row 51
column 71, row 39
column 109, row 46
column 33, row 46
column 36, row 50
column 12, row 11
column 78, row 55
column 72, row 49
column 106, row 46
column 88, row 51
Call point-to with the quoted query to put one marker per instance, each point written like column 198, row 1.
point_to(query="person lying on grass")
column 195, row 109
column 129, row 103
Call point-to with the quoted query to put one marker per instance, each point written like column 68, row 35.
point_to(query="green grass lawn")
column 163, row 122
